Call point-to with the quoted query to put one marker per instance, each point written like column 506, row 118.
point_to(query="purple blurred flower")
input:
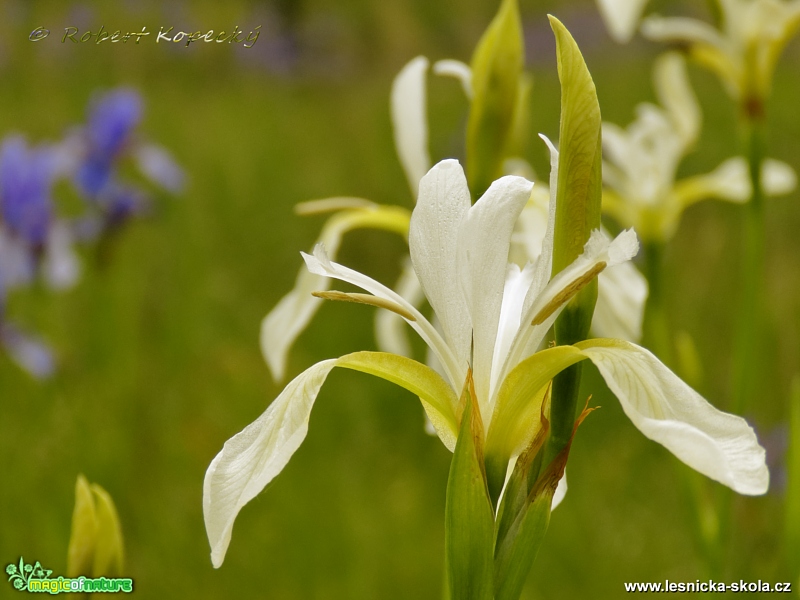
column 26, row 176
column 108, row 138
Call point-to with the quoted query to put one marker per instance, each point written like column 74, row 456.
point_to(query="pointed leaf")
column 496, row 69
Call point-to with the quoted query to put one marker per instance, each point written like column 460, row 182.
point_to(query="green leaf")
column 518, row 545
column 578, row 196
column 109, row 553
column 793, row 492
column 515, row 557
column 518, row 409
column 83, row 538
column 436, row 395
column 496, row 69
column 469, row 519
column 579, row 188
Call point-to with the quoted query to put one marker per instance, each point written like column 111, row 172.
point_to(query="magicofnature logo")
column 35, row 578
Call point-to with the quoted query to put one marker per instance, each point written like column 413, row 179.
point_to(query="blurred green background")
column 158, row 345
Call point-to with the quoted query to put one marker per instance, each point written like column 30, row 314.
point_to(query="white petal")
column 729, row 181
column 561, row 491
column 433, row 241
column 410, row 120
column 60, row 265
column 676, row 95
column 621, row 297
column 621, row 17
column 683, row 29
column 280, row 328
column 719, row 445
column 159, row 167
column 458, row 70
column 551, row 301
column 483, row 243
column 16, row 266
column 778, row 178
column 28, row 352
column 517, row 283
column 320, row 264
column 390, row 331
column 254, row 456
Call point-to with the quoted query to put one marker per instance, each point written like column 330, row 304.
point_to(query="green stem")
column 656, row 332
column 753, row 242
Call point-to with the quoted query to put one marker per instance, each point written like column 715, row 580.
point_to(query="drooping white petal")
column 443, row 202
column 390, row 332
column 320, row 264
column 410, row 120
column 719, row 445
column 457, row 70
column 280, row 328
column 778, row 178
column 676, row 95
column 483, row 244
column 621, row 17
column 253, row 457
column 731, row 181
column 60, row 265
column 621, row 296
column 683, row 29
column 159, row 167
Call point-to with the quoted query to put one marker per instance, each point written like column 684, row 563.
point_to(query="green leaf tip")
column 496, row 71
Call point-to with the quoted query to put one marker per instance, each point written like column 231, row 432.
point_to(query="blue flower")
column 112, row 121
column 26, row 176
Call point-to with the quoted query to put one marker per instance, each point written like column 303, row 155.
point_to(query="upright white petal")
column 719, row 445
column 561, row 491
column 483, row 244
column 410, row 120
column 390, row 328
column 433, row 241
column 457, row 70
column 621, row 17
column 676, row 95
column 254, row 456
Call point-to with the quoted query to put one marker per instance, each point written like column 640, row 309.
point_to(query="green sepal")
column 522, row 525
column 518, row 409
column 469, row 519
column 437, row 397
column 793, row 491
column 496, row 69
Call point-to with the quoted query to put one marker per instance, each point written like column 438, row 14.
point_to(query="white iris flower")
column 642, row 161
column 493, row 318
column 744, row 51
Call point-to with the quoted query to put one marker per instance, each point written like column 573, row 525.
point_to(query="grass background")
column 158, row 344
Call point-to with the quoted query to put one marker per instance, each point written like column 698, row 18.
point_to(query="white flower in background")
column 744, row 51
column 641, row 161
column 621, row 17
column 493, row 318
